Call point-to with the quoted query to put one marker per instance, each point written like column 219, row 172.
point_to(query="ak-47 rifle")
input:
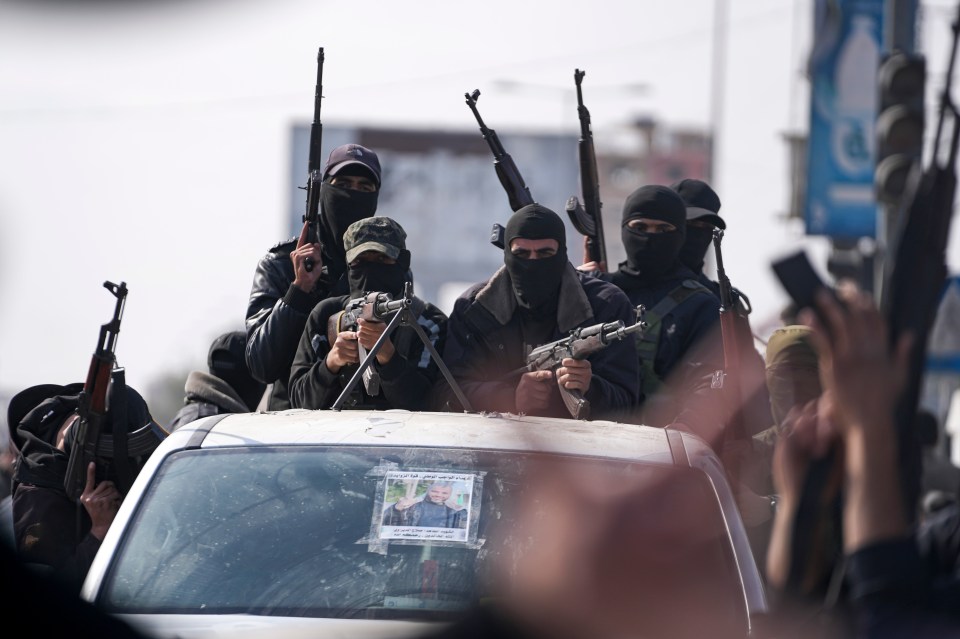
column 580, row 344
column 311, row 217
column 729, row 379
column 372, row 307
column 586, row 217
column 404, row 316
column 93, row 399
column 507, row 172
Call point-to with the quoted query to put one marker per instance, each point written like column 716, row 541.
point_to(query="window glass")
column 314, row 531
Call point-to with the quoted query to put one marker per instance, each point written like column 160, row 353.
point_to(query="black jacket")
column 276, row 316
column 486, row 344
column 51, row 531
column 682, row 353
column 206, row 395
column 405, row 380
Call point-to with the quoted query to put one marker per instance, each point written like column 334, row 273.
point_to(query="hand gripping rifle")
column 507, row 172
column 311, row 216
column 402, row 317
column 93, row 399
column 580, row 344
column 372, row 307
column 586, row 217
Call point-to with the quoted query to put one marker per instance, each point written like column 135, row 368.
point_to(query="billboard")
column 840, row 200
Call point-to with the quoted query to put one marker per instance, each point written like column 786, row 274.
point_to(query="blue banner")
column 840, row 200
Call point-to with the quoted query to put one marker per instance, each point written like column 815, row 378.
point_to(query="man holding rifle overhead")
column 537, row 297
column 297, row 274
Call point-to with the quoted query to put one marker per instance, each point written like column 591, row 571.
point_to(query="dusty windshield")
column 363, row 532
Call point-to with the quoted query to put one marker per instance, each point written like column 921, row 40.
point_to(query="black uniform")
column 681, row 313
column 52, row 531
column 206, row 395
column 487, row 342
column 535, row 298
column 278, row 310
column 404, row 381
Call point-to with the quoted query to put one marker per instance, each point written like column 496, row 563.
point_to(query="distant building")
column 443, row 189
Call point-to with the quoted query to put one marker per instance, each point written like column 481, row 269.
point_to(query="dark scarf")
column 694, row 249
column 340, row 208
column 376, row 277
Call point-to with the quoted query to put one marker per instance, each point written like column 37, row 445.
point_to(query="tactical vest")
column 649, row 340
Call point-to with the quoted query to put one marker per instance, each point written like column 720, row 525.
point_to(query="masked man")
column 538, row 297
column 284, row 290
column 680, row 311
column 329, row 349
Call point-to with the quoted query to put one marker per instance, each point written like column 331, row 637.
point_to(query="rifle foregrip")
column 75, row 478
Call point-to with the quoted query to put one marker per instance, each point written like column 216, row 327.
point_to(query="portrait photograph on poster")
column 427, row 506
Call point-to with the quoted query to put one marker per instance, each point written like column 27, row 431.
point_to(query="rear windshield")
column 363, row 532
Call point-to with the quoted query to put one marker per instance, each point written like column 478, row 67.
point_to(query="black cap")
column 702, row 202
column 352, row 155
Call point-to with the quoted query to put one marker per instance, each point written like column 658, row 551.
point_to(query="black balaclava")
column 536, row 282
column 370, row 277
column 342, row 207
column 694, row 249
column 703, row 204
column 652, row 254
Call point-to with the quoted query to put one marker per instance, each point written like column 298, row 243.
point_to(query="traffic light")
column 900, row 120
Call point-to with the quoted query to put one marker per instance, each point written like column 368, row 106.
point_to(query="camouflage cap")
column 374, row 234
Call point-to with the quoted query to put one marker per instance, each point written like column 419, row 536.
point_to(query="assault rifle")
column 402, row 317
column 586, row 217
column 729, row 378
column 743, row 379
column 507, row 172
column 580, row 344
column 93, row 399
column 372, row 307
column 311, row 217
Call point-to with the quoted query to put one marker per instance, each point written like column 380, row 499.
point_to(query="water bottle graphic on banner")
column 855, row 95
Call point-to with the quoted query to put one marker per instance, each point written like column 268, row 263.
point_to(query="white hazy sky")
column 150, row 144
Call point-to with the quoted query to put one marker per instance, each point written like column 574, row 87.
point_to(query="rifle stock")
column 311, row 216
column 507, row 172
column 586, row 217
column 93, row 399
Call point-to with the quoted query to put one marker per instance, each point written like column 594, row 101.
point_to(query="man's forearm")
column 873, row 505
